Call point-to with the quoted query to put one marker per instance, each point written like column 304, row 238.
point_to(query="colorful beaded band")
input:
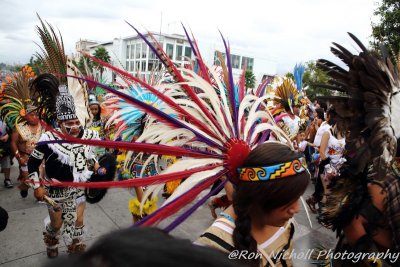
column 277, row 171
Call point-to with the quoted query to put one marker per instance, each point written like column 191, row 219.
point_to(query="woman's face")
column 279, row 216
column 94, row 109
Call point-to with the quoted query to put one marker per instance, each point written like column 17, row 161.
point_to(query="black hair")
column 253, row 199
column 96, row 117
column 148, row 247
column 3, row 219
column 320, row 113
column 335, row 119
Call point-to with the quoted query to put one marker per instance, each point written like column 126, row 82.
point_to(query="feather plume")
column 210, row 127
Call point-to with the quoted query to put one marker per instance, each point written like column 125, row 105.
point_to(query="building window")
column 235, row 61
column 127, row 51
column 188, row 52
column 138, row 50
column 152, row 55
column 179, row 50
column 137, row 66
column 132, row 51
column 143, row 65
column 127, row 65
column 170, row 50
column 144, row 50
column 131, row 66
column 152, row 65
column 249, row 63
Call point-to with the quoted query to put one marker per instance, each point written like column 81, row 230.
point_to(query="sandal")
column 7, row 183
column 52, row 253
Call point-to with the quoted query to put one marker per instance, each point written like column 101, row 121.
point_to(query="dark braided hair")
column 253, row 200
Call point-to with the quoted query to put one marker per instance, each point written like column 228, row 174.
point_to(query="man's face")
column 71, row 127
column 32, row 118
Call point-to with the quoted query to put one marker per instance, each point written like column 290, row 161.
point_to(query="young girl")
column 265, row 200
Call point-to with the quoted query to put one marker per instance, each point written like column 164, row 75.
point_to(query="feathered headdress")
column 73, row 96
column 298, row 72
column 127, row 118
column 287, row 93
column 371, row 108
column 210, row 133
column 369, row 111
column 18, row 99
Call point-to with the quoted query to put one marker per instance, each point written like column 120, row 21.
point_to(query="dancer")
column 63, row 162
column 363, row 204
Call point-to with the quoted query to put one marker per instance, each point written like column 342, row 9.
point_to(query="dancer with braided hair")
column 259, row 219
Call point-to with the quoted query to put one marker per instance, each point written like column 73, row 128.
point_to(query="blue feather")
column 298, row 72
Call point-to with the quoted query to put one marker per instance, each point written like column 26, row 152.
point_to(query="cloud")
column 285, row 32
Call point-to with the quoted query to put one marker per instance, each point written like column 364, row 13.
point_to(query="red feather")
column 178, row 76
column 242, row 84
column 161, row 96
column 150, row 180
column 137, row 147
column 180, row 202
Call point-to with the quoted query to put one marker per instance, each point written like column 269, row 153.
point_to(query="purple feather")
column 153, row 111
column 149, row 44
column 231, row 88
column 192, row 209
column 139, row 223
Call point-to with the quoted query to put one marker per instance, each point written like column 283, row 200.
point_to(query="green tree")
column 85, row 65
column 249, row 79
column 313, row 78
column 36, row 65
column 289, row 75
column 102, row 54
column 388, row 28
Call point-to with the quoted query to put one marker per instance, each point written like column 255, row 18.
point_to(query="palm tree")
column 249, row 79
column 102, row 54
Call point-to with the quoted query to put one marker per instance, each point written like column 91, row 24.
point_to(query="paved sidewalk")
column 21, row 242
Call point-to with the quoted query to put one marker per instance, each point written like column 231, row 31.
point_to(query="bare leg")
column 139, row 194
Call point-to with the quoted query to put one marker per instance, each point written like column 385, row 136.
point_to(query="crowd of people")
column 201, row 132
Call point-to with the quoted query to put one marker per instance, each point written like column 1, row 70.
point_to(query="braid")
column 242, row 238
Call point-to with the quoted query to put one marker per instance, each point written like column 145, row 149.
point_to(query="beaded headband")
column 277, row 171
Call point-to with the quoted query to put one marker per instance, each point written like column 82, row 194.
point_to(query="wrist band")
column 34, row 179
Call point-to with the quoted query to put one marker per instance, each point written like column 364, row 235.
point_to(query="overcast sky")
column 283, row 31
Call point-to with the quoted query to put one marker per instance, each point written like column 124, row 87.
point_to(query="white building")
column 82, row 46
column 134, row 55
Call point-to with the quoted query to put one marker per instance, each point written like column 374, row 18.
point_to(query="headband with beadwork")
column 278, row 171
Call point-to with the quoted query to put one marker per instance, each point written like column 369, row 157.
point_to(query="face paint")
column 32, row 118
column 72, row 128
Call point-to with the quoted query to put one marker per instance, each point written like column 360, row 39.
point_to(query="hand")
column 22, row 161
column 4, row 138
column 101, row 171
column 39, row 193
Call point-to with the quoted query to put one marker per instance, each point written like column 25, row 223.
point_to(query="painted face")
column 32, row 118
column 94, row 109
column 279, row 216
column 71, row 127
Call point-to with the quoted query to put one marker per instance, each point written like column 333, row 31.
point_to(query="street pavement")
column 21, row 243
